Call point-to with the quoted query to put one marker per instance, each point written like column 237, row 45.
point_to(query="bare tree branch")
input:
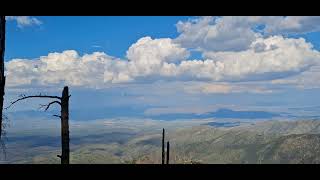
column 28, row 97
column 57, row 116
column 48, row 105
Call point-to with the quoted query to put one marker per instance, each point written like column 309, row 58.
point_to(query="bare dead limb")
column 168, row 151
column 57, row 116
column 163, row 154
column 47, row 106
column 28, row 97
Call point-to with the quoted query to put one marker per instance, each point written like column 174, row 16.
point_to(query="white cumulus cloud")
column 236, row 33
column 216, row 34
column 293, row 25
column 153, row 59
column 66, row 67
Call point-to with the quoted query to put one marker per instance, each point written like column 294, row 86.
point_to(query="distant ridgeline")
column 221, row 113
column 223, row 124
column 118, row 112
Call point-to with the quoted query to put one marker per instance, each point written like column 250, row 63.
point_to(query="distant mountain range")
column 117, row 112
column 220, row 113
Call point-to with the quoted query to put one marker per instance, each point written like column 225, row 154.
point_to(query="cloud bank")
column 237, row 33
column 234, row 49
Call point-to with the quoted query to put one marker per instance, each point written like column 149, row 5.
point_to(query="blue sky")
column 86, row 34
column 113, row 34
column 173, row 63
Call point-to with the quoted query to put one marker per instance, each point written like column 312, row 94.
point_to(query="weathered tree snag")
column 2, row 77
column 168, row 150
column 163, row 154
column 65, row 126
column 63, row 101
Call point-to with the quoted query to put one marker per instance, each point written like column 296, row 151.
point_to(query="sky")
column 86, row 34
column 166, row 64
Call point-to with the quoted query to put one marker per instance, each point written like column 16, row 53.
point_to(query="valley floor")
column 192, row 141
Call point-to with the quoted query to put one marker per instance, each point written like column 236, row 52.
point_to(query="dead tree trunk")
column 63, row 101
column 2, row 77
column 163, row 154
column 65, row 126
column 168, row 150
